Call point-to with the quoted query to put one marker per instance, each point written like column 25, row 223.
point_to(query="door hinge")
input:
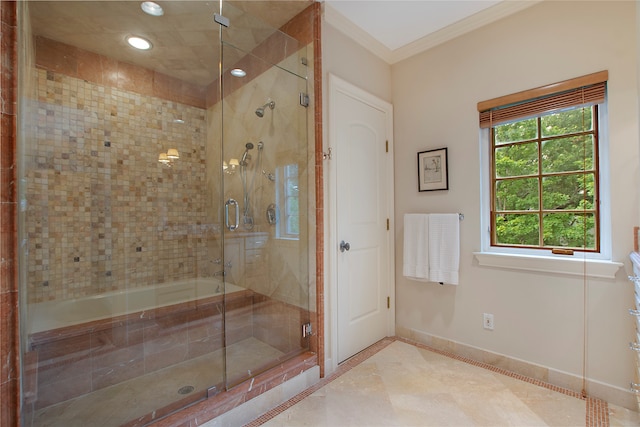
column 212, row 391
column 388, row 302
column 387, row 224
column 222, row 20
column 306, row 330
column 304, row 99
column 386, row 146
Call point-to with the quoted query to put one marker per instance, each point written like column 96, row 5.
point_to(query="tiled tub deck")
column 74, row 359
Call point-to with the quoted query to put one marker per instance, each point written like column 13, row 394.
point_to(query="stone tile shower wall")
column 102, row 213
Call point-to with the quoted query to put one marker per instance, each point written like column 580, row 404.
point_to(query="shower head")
column 246, row 156
column 260, row 110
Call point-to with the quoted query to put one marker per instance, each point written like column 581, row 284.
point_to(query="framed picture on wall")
column 433, row 170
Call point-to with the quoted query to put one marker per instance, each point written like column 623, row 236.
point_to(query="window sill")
column 574, row 267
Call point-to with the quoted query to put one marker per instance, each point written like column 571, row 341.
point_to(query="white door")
column 361, row 154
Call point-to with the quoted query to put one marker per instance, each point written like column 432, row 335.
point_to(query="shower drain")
column 186, row 389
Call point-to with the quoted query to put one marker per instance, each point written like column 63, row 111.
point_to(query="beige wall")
column 538, row 317
column 351, row 62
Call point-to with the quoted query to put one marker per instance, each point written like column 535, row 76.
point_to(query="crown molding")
column 475, row 21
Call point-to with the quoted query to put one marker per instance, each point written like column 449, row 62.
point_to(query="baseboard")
column 609, row 393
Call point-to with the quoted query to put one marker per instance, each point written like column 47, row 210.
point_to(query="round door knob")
column 344, row 246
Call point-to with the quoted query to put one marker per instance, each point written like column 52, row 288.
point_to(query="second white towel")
column 444, row 248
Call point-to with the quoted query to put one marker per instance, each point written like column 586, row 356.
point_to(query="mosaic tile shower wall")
column 99, row 201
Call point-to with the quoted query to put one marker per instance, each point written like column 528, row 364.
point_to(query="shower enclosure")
column 166, row 204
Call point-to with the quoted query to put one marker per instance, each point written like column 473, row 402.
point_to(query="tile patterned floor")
column 398, row 383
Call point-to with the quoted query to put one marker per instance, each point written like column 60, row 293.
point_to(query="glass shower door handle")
column 230, row 202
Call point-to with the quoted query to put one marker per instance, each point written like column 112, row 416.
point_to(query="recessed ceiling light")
column 152, row 8
column 238, row 72
column 139, row 42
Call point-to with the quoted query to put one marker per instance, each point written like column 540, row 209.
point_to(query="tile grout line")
column 596, row 414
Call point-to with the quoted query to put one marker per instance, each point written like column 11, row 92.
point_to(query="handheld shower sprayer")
column 260, row 110
column 246, row 156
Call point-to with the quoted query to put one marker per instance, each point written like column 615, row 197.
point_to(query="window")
column 544, row 173
column 288, row 197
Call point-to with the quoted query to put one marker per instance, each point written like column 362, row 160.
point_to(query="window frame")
column 540, row 175
column 595, row 265
column 506, row 253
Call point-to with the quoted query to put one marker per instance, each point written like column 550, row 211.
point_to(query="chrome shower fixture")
column 271, row 177
column 246, row 156
column 260, row 111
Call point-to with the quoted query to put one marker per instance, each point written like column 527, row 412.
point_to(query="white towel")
column 416, row 247
column 444, row 248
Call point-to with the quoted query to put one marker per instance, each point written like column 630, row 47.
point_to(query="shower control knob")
column 344, row 246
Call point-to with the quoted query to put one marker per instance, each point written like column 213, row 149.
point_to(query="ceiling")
column 185, row 37
column 398, row 23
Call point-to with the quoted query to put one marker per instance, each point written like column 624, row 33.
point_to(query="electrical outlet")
column 487, row 321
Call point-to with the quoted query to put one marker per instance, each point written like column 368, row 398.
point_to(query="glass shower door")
column 122, row 297
column 139, row 295
column 266, row 188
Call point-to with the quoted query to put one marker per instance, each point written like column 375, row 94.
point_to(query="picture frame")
column 433, row 170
